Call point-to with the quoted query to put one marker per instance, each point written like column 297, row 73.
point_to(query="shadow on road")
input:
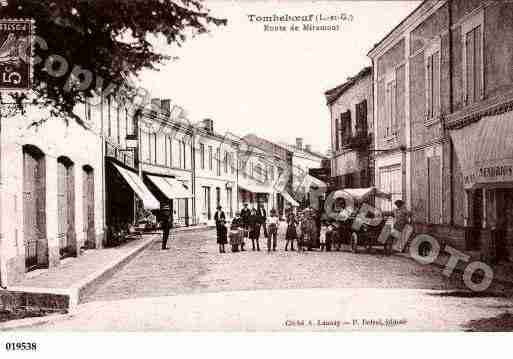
column 471, row 294
column 500, row 323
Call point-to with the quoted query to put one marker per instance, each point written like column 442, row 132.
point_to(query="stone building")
column 448, row 66
column 306, row 189
column 166, row 159
column 351, row 111
column 216, row 172
column 51, row 185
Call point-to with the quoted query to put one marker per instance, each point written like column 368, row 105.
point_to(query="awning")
column 361, row 194
column 289, row 199
column 171, row 187
column 135, row 182
column 254, row 187
column 485, row 151
column 315, row 182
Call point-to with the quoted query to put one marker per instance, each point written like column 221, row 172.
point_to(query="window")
column 149, row 147
column 226, row 162
column 184, row 153
column 210, row 165
column 432, row 68
column 202, row 156
column 229, row 201
column 207, row 211
column 390, row 107
column 170, row 152
column 345, row 127
column 218, row 196
column 337, row 134
column 361, row 118
column 232, row 162
column 155, row 147
column 473, row 75
column 218, row 161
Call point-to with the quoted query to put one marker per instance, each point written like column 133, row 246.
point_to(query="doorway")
column 88, row 201
column 34, row 208
column 66, row 207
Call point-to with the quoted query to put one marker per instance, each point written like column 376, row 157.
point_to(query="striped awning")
column 140, row 189
column 485, row 151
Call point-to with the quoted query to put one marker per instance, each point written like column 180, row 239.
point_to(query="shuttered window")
column 433, row 85
column 434, row 190
column 391, row 109
column 473, row 65
column 361, row 117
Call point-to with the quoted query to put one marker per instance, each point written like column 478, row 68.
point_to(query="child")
column 272, row 226
column 322, row 237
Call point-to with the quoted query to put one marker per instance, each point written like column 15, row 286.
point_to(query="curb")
column 77, row 291
column 31, row 322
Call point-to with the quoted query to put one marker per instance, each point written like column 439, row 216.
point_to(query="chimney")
column 299, row 143
column 166, row 106
column 308, row 148
column 208, row 125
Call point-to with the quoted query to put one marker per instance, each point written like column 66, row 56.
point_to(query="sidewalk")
column 63, row 287
column 502, row 272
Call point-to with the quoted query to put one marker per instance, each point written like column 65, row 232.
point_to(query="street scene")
column 192, row 287
column 189, row 165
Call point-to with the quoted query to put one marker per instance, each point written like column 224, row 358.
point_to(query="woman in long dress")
column 291, row 233
column 222, row 237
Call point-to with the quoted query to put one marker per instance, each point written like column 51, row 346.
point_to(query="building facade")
column 51, row 190
column 305, row 186
column 351, row 110
column 215, row 172
column 445, row 72
column 166, row 160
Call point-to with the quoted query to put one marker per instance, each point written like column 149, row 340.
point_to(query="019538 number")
column 20, row 346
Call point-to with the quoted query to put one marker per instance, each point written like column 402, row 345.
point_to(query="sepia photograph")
column 231, row 166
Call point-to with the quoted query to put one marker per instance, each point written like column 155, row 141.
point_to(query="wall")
column 54, row 137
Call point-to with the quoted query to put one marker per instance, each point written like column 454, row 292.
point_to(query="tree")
column 105, row 38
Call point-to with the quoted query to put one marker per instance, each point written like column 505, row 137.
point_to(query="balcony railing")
column 361, row 139
column 125, row 156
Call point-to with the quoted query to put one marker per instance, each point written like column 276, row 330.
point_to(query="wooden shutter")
column 429, row 87
column 478, row 86
column 469, row 42
column 337, row 131
column 434, row 195
column 435, row 58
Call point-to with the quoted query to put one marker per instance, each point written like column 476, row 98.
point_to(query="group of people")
column 252, row 223
column 305, row 228
column 248, row 223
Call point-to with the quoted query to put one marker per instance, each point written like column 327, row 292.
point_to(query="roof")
column 333, row 94
column 396, row 27
column 294, row 149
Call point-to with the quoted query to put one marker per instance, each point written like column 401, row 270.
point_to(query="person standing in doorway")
column 165, row 224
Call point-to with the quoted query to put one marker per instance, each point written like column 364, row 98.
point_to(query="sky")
column 272, row 83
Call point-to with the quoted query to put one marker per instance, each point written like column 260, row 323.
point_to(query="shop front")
column 254, row 193
column 124, row 190
column 485, row 153
column 174, row 194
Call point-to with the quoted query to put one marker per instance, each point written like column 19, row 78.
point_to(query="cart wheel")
column 354, row 242
column 388, row 248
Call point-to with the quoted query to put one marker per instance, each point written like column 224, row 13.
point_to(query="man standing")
column 273, row 223
column 262, row 215
column 165, row 224
column 244, row 215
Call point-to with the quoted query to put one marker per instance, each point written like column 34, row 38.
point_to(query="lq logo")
column 15, row 54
